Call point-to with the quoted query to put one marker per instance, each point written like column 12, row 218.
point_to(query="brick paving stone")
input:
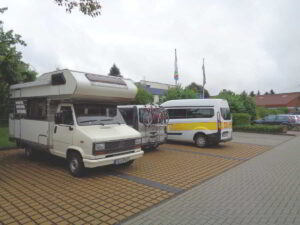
column 263, row 190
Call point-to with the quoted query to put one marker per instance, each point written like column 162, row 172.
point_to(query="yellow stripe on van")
column 193, row 126
column 198, row 126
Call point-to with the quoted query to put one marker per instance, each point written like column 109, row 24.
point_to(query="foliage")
column 239, row 103
column 272, row 92
column 114, row 71
column 252, row 94
column 258, row 93
column 198, row 89
column 87, row 7
column 143, row 97
column 239, row 119
column 261, row 112
column 4, row 142
column 178, row 93
column 12, row 69
column 258, row 128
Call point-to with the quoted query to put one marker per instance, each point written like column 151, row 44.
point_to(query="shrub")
column 261, row 112
column 240, row 119
column 258, row 128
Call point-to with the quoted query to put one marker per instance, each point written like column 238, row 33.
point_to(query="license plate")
column 121, row 161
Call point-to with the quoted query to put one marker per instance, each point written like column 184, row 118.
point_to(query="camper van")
column 149, row 120
column 74, row 115
column 202, row 121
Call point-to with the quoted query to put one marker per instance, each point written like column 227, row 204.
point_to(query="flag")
column 176, row 76
column 204, row 78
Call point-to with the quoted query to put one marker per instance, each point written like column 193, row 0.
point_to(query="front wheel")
column 201, row 141
column 75, row 163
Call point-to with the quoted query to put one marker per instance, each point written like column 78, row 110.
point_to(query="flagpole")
column 204, row 80
column 176, row 75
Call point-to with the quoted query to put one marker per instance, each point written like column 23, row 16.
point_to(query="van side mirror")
column 58, row 118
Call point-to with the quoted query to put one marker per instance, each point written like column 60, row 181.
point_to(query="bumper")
column 92, row 163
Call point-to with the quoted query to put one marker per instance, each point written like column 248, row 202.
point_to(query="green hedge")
column 261, row 112
column 258, row 128
column 239, row 119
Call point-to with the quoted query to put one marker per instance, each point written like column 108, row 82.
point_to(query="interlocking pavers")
column 41, row 191
column 263, row 190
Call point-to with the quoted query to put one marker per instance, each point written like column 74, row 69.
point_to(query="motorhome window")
column 67, row 115
column 93, row 114
column 105, row 79
column 37, row 109
column 225, row 113
column 177, row 113
column 127, row 115
column 200, row 113
column 57, row 79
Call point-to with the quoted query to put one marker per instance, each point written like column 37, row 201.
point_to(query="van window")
column 67, row 115
column 200, row 113
column 225, row 113
column 177, row 113
column 127, row 115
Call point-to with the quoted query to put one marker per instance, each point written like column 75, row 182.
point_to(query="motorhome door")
column 63, row 130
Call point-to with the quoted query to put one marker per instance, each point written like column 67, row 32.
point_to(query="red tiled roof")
column 276, row 100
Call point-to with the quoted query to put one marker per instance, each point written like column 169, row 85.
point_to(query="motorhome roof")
column 194, row 102
column 69, row 84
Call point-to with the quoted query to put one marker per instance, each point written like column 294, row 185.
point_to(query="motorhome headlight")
column 99, row 146
column 138, row 141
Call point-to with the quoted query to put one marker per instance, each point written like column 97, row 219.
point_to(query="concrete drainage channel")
column 43, row 192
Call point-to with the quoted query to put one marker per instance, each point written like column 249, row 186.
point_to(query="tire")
column 127, row 163
column 29, row 152
column 201, row 141
column 75, row 164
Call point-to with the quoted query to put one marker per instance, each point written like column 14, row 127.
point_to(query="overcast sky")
column 247, row 45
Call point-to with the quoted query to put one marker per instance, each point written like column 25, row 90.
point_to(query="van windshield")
column 97, row 114
column 225, row 113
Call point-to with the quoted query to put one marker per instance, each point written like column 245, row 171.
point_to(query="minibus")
column 202, row 121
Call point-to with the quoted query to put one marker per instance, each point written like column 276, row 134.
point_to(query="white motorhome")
column 74, row 115
column 202, row 121
column 149, row 121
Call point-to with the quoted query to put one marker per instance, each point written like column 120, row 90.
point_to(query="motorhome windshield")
column 97, row 114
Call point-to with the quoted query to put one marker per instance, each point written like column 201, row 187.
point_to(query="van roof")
column 195, row 102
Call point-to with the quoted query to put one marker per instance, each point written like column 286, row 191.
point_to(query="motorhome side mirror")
column 58, row 118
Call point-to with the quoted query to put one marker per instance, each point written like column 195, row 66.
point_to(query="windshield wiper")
column 86, row 121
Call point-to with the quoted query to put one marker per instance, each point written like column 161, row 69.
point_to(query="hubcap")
column 74, row 165
column 201, row 141
column 28, row 152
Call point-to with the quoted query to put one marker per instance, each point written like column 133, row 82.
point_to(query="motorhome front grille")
column 116, row 145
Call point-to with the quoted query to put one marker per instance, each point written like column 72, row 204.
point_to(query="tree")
column 87, row 7
column 198, row 89
column 266, row 93
column 12, row 69
column 114, row 71
column 178, row 93
column 239, row 103
column 252, row 94
column 258, row 93
column 143, row 97
column 272, row 92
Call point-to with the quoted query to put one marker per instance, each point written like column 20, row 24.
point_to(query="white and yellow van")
column 203, row 121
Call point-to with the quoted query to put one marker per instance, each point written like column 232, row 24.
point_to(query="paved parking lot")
column 42, row 192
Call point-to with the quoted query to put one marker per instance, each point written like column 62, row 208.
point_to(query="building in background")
column 289, row 100
column 155, row 88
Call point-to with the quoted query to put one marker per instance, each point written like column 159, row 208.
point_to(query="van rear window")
column 225, row 113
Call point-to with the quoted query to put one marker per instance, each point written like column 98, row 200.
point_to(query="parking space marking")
column 202, row 153
column 147, row 182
